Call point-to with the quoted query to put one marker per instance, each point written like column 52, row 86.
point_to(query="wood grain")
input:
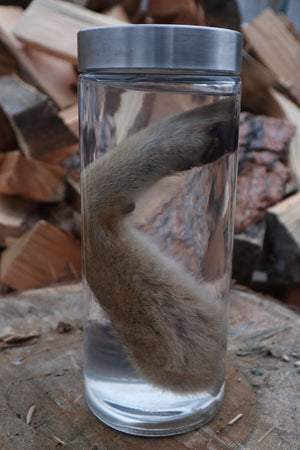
column 52, row 75
column 48, row 374
column 277, row 48
column 256, row 95
column 292, row 112
column 58, row 34
column 40, row 132
column 282, row 244
column 30, row 178
column 39, row 257
column 13, row 211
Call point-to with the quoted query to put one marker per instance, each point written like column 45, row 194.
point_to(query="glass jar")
column 159, row 113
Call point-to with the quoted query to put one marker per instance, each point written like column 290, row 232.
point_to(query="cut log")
column 222, row 13
column 7, row 136
column 8, row 18
column 52, row 75
column 131, row 7
column 39, row 257
column 289, row 25
column 118, row 12
column 61, row 215
column 8, row 63
column 292, row 113
column 256, row 81
column 97, row 5
column 282, row 243
column 258, row 327
column 73, row 191
column 182, row 12
column 70, row 118
column 13, row 212
column 31, row 179
column 247, row 249
column 40, row 132
column 58, row 34
column 277, row 48
column 170, row 7
column 9, row 45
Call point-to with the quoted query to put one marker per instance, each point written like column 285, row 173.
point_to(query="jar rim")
column 149, row 46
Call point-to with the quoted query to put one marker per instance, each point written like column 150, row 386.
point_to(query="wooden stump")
column 47, row 375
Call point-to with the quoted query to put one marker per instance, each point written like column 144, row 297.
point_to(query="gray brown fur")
column 173, row 331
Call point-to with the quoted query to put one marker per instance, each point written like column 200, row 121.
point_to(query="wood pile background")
column 39, row 149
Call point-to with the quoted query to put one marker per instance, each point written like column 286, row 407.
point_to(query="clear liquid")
column 189, row 217
column 120, row 398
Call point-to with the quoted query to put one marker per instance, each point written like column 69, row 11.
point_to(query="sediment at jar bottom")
column 172, row 329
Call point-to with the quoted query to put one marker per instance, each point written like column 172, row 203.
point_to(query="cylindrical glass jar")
column 159, row 111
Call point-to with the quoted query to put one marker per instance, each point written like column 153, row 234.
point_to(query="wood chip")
column 30, row 414
column 266, row 434
column 235, row 419
column 59, row 440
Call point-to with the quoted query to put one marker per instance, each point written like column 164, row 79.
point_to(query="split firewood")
column 40, row 132
column 221, row 13
column 10, row 240
column 282, row 244
column 131, row 7
column 256, row 81
column 73, row 195
column 39, row 257
column 52, row 75
column 247, row 250
column 163, row 105
column 98, row 5
column 30, row 178
column 61, row 215
column 8, row 63
column 13, row 212
column 184, row 12
column 277, row 48
column 58, row 36
column 70, row 117
column 7, row 136
column 117, row 12
column 8, row 17
column 292, row 113
column 289, row 25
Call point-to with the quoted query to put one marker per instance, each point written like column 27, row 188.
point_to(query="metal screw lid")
column 159, row 47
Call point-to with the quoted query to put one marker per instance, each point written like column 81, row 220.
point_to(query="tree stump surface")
column 42, row 404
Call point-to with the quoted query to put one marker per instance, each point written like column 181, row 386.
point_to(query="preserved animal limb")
column 171, row 327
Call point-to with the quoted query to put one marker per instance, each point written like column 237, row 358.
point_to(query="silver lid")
column 159, row 47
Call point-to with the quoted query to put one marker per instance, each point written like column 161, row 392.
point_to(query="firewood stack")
column 39, row 150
